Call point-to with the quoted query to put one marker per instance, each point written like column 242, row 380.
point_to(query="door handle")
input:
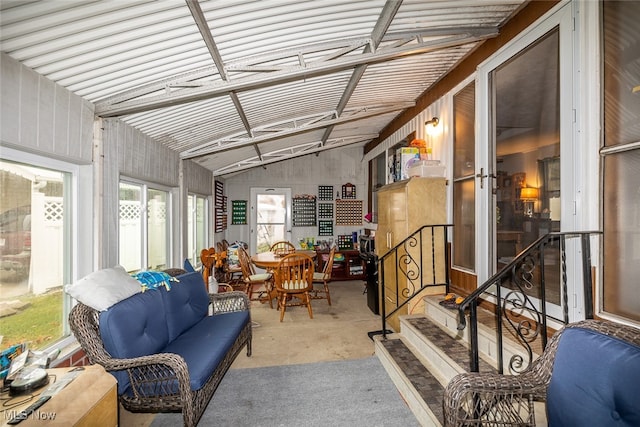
column 482, row 176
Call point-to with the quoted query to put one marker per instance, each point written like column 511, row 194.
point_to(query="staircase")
column 429, row 350
column 432, row 347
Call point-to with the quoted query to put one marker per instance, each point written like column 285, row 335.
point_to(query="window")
column 196, row 227
column 621, row 164
column 34, row 252
column 144, row 227
column 464, row 213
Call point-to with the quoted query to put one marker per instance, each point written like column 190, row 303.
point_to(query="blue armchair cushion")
column 594, row 381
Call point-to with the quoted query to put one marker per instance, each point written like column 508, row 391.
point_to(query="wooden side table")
column 89, row 400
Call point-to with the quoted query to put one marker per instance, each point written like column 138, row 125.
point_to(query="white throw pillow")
column 103, row 288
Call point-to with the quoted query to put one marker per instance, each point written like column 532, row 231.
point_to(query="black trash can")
column 371, row 274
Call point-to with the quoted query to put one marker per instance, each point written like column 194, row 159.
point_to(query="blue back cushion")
column 594, row 382
column 188, row 267
column 185, row 304
column 134, row 327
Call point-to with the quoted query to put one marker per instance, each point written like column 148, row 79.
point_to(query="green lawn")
column 39, row 324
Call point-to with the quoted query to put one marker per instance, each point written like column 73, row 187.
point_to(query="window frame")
column 192, row 237
column 145, row 187
column 78, row 225
column 612, row 150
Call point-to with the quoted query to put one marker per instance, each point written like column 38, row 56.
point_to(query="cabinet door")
column 382, row 233
column 392, row 219
column 398, row 215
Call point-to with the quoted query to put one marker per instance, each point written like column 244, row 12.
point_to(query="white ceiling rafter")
column 192, row 78
column 294, row 72
column 384, row 20
column 291, row 126
column 201, row 23
column 292, row 152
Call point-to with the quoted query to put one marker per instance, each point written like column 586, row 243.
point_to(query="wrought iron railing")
column 420, row 261
column 521, row 292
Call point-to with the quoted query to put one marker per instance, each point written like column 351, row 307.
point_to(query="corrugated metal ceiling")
column 238, row 84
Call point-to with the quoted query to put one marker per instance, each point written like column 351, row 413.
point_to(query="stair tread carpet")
column 451, row 346
column 426, row 384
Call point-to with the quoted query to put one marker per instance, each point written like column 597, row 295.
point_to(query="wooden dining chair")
column 282, row 248
column 207, row 257
column 259, row 285
column 293, row 277
column 228, row 272
column 323, row 278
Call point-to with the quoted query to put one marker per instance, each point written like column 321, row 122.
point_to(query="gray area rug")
column 341, row 393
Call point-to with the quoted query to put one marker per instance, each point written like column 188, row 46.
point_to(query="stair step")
column 429, row 351
column 421, row 360
column 424, row 356
column 424, row 396
column 453, row 348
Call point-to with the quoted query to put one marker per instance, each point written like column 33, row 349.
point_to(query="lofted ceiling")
column 239, row 84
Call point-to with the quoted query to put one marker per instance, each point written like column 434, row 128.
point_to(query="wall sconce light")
column 528, row 195
column 434, row 121
column 431, row 130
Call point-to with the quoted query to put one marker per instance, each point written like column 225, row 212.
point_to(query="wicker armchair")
column 487, row 399
column 153, row 376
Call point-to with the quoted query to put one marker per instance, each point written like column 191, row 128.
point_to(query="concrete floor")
column 336, row 332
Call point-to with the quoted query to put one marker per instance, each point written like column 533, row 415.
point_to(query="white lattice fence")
column 130, row 235
column 47, row 238
column 157, row 228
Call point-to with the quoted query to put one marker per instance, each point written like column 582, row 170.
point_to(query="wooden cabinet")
column 403, row 208
column 347, row 264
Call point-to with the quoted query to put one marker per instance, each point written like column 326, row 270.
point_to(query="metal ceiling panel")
column 236, row 84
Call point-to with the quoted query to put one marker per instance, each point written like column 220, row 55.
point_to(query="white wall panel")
column 197, row 179
column 140, row 156
column 41, row 116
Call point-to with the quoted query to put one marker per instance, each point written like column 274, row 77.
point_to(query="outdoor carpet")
column 340, row 393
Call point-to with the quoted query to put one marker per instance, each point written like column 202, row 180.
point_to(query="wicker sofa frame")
column 490, row 399
column 157, row 371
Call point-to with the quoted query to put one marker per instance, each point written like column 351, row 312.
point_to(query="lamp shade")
column 529, row 193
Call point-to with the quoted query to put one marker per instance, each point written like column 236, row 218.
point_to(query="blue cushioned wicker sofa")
column 167, row 353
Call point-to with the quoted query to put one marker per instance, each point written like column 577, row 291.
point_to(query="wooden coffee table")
column 89, row 400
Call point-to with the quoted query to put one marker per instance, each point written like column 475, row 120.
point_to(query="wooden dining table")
column 270, row 260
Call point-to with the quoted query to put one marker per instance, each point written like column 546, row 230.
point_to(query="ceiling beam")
column 290, row 153
column 212, row 47
column 210, row 90
column 384, row 20
column 280, row 130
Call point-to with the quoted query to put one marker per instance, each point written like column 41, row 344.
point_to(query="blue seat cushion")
column 126, row 335
column 185, row 304
column 594, row 381
column 204, row 345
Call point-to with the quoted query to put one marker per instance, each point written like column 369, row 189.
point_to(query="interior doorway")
column 270, row 217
